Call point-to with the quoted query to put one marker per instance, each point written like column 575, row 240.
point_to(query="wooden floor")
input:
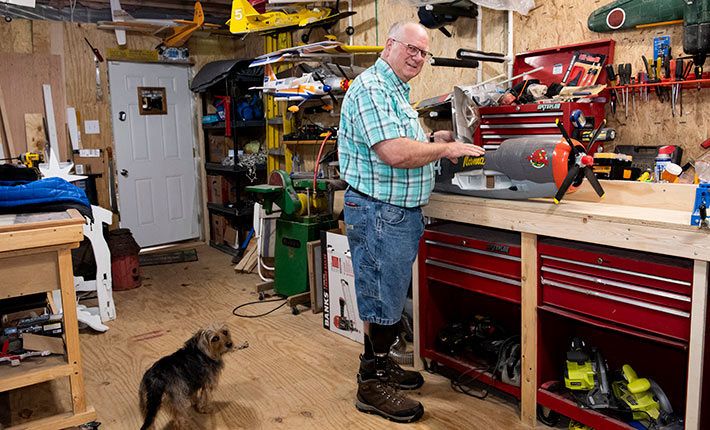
column 293, row 375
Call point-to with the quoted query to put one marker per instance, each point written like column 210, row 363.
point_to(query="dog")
column 186, row 377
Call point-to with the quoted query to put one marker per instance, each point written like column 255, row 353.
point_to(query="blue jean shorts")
column 384, row 240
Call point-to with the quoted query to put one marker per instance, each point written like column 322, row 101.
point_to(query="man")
column 386, row 158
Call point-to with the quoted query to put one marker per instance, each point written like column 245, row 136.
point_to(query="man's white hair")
column 398, row 28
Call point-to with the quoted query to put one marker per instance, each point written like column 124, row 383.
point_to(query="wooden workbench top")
column 633, row 215
column 26, row 231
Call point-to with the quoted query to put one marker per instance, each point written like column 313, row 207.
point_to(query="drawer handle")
column 602, row 281
column 473, row 272
column 617, row 299
column 472, row 250
column 611, row 269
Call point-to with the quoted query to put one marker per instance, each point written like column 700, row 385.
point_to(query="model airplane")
column 245, row 19
column 520, row 168
column 695, row 16
column 330, row 46
column 173, row 32
column 306, row 87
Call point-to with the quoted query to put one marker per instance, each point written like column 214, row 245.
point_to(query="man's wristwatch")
column 431, row 137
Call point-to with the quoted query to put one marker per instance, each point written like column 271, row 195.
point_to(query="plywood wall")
column 551, row 23
column 67, row 41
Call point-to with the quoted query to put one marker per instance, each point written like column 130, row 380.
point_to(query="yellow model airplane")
column 173, row 32
column 245, row 19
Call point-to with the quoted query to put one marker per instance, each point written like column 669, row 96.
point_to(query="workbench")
column 634, row 216
column 35, row 257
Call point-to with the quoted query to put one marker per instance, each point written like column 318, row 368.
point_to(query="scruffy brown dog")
column 186, row 377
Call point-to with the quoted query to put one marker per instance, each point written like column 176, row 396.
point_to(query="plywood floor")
column 294, row 375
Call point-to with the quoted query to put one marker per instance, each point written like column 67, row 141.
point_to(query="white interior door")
column 154, row 154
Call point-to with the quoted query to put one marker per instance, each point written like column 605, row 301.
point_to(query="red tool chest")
column 505, row 122
column 644, row 291
column 465, row 271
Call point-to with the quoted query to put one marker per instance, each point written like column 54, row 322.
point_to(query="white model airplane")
column 308, row 86
column 303, row 52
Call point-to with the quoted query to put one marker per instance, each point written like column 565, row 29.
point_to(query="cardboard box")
column 218, row 226
column 218, row 189
column 88, row 161
column 340, row 312
column 231, row 237
column 218, row 147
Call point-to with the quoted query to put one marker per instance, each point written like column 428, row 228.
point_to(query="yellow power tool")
column 29, row 159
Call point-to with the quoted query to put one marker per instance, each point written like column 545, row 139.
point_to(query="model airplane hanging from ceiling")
column 302, row 52
column 245, row 19
column 173, row 32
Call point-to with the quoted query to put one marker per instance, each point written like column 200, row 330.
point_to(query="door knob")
column 124, row 172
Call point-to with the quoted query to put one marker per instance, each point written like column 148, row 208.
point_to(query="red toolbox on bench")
column 505, row 122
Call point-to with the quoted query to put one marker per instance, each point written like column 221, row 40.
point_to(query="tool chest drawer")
column 499, row 123
column 473, row 258
column 636, row 289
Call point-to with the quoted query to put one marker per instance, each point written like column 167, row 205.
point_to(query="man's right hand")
column 459, row 149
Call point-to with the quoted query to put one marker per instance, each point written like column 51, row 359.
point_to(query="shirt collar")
column 386, row 71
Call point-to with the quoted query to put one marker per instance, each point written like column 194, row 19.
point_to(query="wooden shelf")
column 33, row 370
column 308, row 142
column 235, row 124
column 232, row 169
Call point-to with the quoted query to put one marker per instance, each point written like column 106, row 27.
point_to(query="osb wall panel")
column 67, row 40
column 551, row 23
column 432, row 81
column 559, row 22
column 21, row 78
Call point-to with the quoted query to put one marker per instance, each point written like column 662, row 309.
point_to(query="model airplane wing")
column 635, row 13
column 288, row 53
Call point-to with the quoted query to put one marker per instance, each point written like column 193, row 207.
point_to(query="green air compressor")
column 306, row 210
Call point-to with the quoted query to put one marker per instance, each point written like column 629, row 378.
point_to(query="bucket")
column 125, row 268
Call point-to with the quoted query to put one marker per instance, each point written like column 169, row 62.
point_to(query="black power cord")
column 281, row 298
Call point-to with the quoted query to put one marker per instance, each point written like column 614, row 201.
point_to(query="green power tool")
column 305, row 210
column 586, row 376
column 644, row 400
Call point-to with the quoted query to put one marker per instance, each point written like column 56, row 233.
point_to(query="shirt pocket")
column 414, row 129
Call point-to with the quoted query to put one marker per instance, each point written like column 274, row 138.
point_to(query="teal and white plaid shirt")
column 376, row 108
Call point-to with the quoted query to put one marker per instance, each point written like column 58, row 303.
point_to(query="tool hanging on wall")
column 97, row 59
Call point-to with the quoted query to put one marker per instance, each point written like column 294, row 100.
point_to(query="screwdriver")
column 679, row 68
column 611, row 79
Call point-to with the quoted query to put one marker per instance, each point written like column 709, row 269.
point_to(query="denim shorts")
column 383, row 240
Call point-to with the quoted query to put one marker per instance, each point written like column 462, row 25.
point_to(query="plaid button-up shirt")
column 376, row 108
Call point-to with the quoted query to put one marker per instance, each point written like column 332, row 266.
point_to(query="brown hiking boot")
column 403, row 379
column 400, row 378
column 377, row 397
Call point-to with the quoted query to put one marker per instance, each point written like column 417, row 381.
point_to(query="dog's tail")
column 151, row 395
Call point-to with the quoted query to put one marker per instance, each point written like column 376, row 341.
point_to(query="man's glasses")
column 413, row 51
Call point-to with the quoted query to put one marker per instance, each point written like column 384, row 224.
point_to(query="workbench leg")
column 697, row 345
column 528, row 333
column 418, row 363
column 71, row 331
